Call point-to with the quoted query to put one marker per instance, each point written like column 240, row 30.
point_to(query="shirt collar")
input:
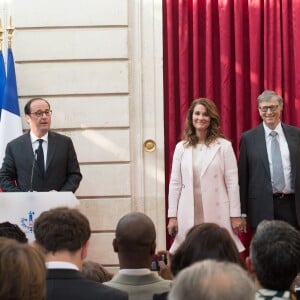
column 34, row 138
column 135, row 271
column 278, row 129
column 61, row 265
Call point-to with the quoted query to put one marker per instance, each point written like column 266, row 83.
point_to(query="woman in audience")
column 203, row 241
column 22, row 271
column 94, row 271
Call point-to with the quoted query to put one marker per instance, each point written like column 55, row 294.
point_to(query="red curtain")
column 229, row 51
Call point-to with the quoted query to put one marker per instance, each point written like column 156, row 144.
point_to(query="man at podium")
column 40, row 160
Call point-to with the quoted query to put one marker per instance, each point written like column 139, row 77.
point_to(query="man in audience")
column 135, row 243
column 274, row 259
column 12, row 231
column 63, row 235
column 212, row 280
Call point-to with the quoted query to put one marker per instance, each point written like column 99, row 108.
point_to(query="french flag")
column 10, row 124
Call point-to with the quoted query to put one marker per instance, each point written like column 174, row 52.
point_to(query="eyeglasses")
column 271, row 107
column 40, row 113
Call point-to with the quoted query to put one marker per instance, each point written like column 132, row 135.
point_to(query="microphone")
column 32, row 170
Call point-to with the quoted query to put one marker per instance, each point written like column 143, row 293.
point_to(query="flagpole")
column 1, row 34
column 11, row 125
column 10, row 30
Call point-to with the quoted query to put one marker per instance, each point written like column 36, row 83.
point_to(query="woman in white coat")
column 204, row 178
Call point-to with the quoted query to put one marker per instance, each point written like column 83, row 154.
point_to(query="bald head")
column 135, row 230
column 135, row 241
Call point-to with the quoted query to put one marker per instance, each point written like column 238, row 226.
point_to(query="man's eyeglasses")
column 40, row 113
column 271, row 107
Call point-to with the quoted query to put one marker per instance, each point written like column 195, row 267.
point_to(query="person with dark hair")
column 274, row 259
column 63, row 235
column 40, row 160
column 22, row 271
column 213, row 280
column 269, row 166
column 205, row 241
column 94, row 271
column 12, row 231
column 135, row 244
column 204, row 179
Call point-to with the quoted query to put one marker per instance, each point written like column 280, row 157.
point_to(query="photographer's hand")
column 165, row 269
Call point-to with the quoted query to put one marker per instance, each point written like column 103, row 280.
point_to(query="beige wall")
column 99, row 63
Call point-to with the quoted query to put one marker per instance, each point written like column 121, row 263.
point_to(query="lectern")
column 24, row 207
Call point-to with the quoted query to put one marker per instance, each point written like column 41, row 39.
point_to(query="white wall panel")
column 104, row 180
column 68, row 44
column 105, row 213
column 45, row 13
column 72, row 78
column 101, row 145
column 86, row 111
column 101, row 249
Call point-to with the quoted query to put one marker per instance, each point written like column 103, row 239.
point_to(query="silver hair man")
column 212, row 280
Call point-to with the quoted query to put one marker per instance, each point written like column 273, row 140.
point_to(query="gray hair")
column 275, row 254
column 268, row 95
column 213, row 280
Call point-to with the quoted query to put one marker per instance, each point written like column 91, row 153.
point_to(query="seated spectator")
column 22, row 271
column 94, row 271
column 213, row 280
column 205, row 241
column 135, row 243
column 63, row 235
column 12, row 231
column 274, row 259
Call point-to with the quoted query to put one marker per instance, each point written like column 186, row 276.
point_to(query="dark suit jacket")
column 254, row 173
column 65, row 284
column 62, row 170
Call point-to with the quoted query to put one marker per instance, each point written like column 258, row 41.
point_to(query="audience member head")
column 94, row 271
column 22, row 271
column 275, row 254
column 204, row 241
column 62, row 231
column 12, row 231
column 213, row 280
column 135, row 241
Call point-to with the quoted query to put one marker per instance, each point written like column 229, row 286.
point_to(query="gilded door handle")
column 149, row 145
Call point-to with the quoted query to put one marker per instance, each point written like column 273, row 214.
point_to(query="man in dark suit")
column 269, row 181
column 62, row 234
column 54, row 167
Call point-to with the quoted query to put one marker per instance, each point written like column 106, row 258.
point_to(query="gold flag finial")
column 1, row 34
column 10, row 29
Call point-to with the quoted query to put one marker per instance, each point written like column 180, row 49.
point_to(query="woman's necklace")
column 200, row 147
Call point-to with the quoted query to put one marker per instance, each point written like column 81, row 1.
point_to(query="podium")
column 22, row 208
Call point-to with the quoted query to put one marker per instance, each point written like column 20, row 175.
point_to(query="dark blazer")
column 254, row 173
column 65, row 284
column 62, row 170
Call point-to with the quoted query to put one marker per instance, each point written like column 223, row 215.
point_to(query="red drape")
column 229, row 51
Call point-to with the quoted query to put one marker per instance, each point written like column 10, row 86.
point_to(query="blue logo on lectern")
column 27, row 223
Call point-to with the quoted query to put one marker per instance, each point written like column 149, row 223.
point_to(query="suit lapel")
column 292, row 141
column 51, row 149
column 189, row 157
column 209, row 155
column 259, row 143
